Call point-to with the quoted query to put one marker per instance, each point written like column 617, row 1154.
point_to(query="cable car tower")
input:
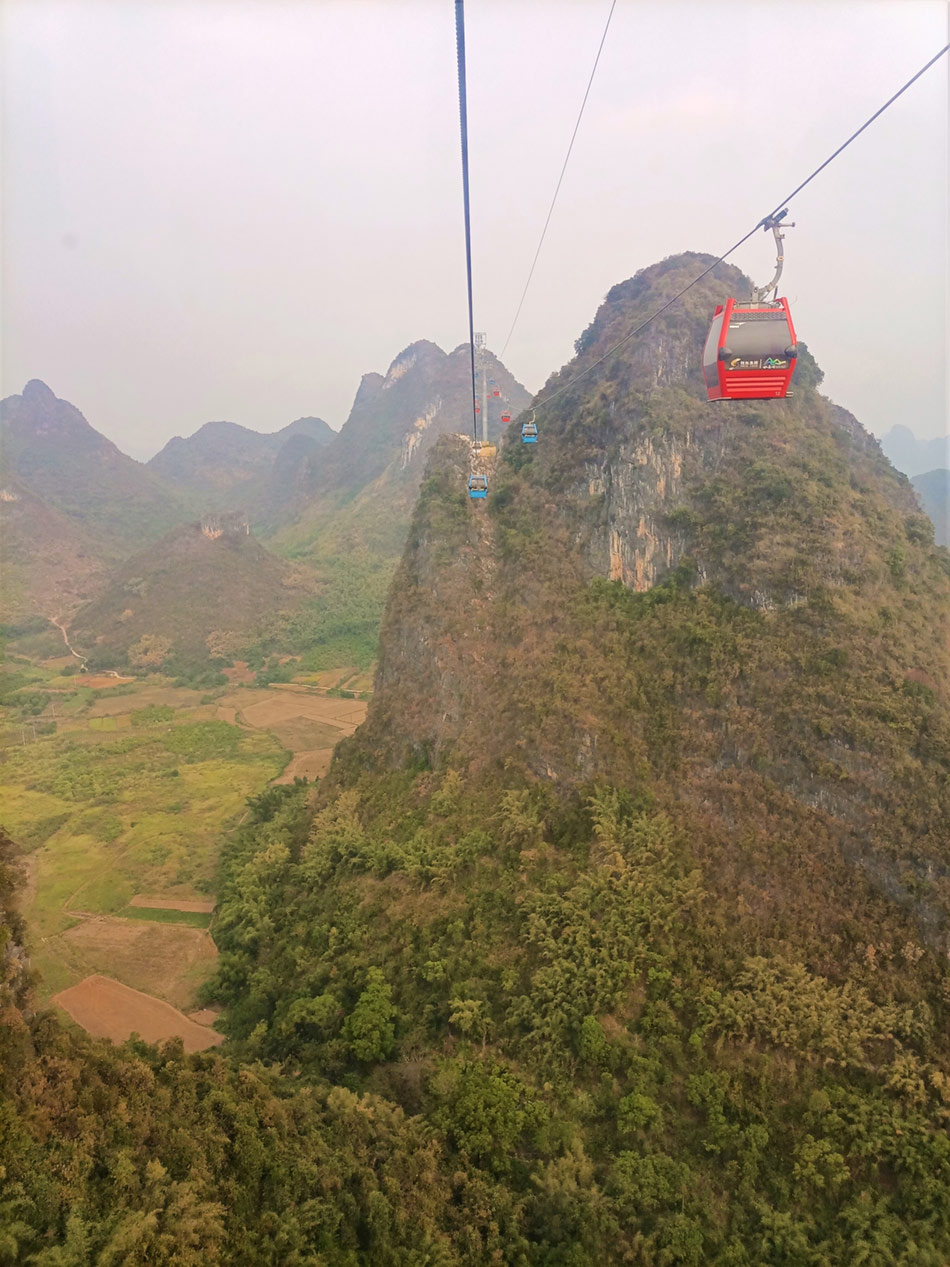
column 480, row 339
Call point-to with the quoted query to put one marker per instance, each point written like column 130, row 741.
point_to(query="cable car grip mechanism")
column 773, row 222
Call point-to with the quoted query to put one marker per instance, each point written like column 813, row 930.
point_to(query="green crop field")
column 195, row 919
column 116, row 792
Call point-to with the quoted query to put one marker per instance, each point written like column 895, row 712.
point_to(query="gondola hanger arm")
column 773, row 222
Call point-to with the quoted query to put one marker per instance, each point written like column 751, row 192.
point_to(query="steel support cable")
column 560, row 178
column 463, row 123
column 706, row 271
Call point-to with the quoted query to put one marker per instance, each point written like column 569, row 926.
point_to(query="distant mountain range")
column 927, row 464
column 117, row 547
column 913, row 456
column 222, row 462
column 50, row 447
column 933, row 493
column 72, row 505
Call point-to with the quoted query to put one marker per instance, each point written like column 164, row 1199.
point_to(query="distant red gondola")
column 506, row 415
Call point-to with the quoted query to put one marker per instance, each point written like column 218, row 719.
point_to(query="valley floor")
column 120, row 792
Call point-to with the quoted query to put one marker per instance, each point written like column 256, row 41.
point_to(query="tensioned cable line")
column 560, row 178
column 706, row 271
column 463, row 123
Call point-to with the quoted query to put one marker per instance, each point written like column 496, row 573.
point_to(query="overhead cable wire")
column 762, row 224
column 463, row 123
column 559, row 180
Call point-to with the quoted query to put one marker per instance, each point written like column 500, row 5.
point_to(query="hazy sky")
column 235, row 208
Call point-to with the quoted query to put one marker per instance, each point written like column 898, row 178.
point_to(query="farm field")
column 108, row 1009
column 120, row 795
column 307, row 722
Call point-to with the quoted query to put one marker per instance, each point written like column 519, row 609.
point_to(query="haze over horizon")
column 233, row 211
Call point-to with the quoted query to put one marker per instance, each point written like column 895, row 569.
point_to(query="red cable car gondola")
column 506, row 414
column 750, row 351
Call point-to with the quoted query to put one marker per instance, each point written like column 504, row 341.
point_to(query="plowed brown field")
column 344, row 714
column 164, row 959
column 108, row 1009
column 309, row 724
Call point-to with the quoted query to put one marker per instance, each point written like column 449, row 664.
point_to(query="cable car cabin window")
column 712, row 343
column 756, row 336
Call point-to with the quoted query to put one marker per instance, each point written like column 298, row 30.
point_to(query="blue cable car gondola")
column 477, row 485
column 529, row 433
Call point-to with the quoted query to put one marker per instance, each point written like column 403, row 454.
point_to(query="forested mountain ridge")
column 619, row 931
column 144, row 1154
column 640, row 861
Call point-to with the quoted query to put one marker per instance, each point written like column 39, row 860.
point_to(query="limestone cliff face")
column 639, row 485
column 776, row 597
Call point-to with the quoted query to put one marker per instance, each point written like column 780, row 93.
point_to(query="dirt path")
column 83, row 660
column 62, row 630
column 27, row 892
